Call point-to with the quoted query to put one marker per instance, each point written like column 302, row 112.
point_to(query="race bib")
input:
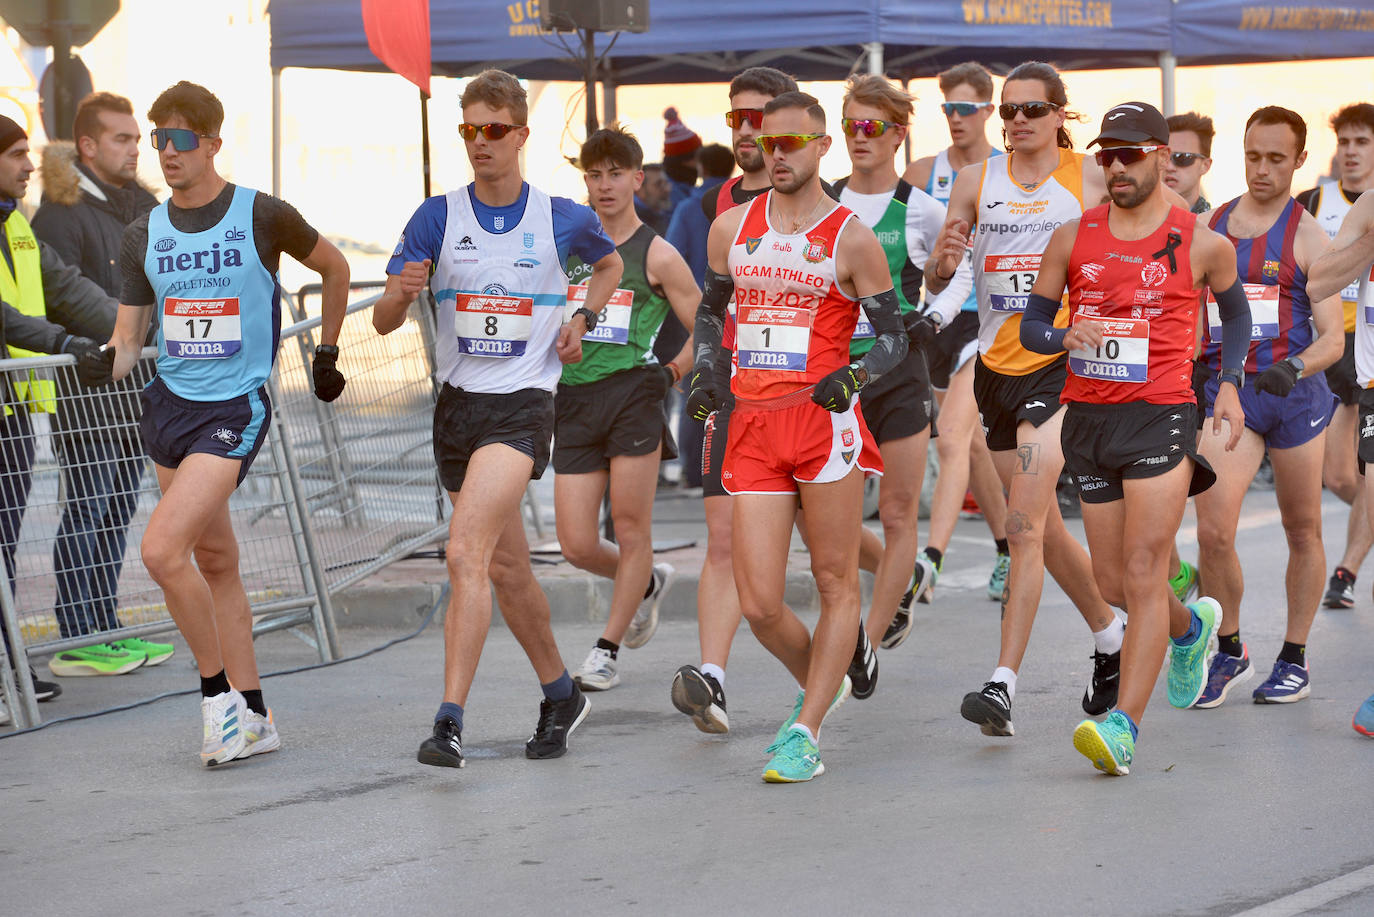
column 491, row 325
column 1123, row 355
column 201, row 329
column 613, row 326
column 773, row 337
column 1264, row 312
column 1009, row 279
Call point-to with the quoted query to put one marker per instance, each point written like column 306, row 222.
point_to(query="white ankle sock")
column 1006, row 676
column 804, row 731
column 1108, row 639
column 715, row 671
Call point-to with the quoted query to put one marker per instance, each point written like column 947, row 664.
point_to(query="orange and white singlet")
column 793, row 322
column 1014, row 225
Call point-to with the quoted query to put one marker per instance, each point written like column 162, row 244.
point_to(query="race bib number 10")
column 1123, row 356
column 773, row 337
column 201, row 329
column 1009, row 279
column 489, row 325
column 613, row 325
column 1264, row 312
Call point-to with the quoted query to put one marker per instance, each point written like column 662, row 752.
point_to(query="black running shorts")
column 173, row 427
column 619, row 415
column 466, row 421
column 1005, row 401
column 954, row 346
column 1106, row 443
column 899, row 404
column 1340, row 376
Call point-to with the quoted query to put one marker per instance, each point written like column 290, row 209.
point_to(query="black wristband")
column 1234, row 376
column 327, row 350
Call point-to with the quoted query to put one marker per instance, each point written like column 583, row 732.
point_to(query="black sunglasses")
column 181, row 139
column 494, row 131
column 1008, row 110
column 1184, row 160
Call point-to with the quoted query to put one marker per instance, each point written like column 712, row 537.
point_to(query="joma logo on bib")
column 209, row 261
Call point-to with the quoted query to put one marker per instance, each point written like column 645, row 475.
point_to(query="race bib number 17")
column 201, row 329
column 489, row 325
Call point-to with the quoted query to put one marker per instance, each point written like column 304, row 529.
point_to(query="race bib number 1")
column 489, row 325
column 613, row 325
column 201, row 329
column 1009, row 280
column 1123, row 356
column 1264, row 312
column 773, row 337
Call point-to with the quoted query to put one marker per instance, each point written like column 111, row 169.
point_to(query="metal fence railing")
column 338, row 491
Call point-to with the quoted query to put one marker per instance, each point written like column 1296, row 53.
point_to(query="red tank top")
column 1143, row 292
column 793, row 322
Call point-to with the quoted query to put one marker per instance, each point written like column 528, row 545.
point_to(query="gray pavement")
column 1243, row 809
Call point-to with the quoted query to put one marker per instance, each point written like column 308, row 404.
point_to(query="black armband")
column 1234, row 310
column 1038, row 333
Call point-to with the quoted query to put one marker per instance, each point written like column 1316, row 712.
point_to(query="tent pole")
column 589, row 46
column 424, row 139
column 608, row 112
column 1168, row 69
column 874, row 52
column 276, row 132
column 906, row 144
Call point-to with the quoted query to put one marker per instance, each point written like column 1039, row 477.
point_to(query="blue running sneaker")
column 1108, row 744
column 797, row 760
column 1225, row 672
column 1188, row 664
column 1287, row 684
column 1184, row 583
column 846, row 688
column 1364, row 718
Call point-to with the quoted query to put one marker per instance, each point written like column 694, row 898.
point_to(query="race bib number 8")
column 1264, row 312
column 489, row 325
column 613, row 325
column 1123, row 356
column 1009, row 279
column 773, row 337
column 201, row 329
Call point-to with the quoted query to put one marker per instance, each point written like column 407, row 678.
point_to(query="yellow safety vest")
column 23, row 289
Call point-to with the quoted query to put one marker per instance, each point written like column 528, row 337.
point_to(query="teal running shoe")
column 846, row 688
column 1188, row 664
column 1363, row 722
column 797, row 760
column 998, row 581
column 1108, row 744
column 157, row 653
column 1184, row 583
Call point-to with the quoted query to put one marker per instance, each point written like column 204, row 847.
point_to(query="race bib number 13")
column 201, row 329
column 489, row 325
column 1009, row 280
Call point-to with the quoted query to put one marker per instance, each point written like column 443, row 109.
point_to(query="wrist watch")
column 860, row 374
column 1234, row 376
column 327, row 350
column 588, row 316
column 1298, row 364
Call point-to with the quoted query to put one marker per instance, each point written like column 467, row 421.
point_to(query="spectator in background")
column 90, row 193
column 680, row 145
column 653, row 201
column 1190, row 157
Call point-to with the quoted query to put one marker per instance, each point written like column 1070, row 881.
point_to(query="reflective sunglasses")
column 1008, row 110
column 788, row 143
column 964, row 109
column 181, row 139
column 736, row 117
column 1184, row 160
column 493, row 131
column 1126, row 155
column 869, row 127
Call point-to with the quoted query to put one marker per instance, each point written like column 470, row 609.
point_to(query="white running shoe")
column 597, row 672
column 645, row 621
column 4, row 714
column 224, row 736
column 260, row 734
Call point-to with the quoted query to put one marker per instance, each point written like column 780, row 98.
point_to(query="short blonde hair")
column 874, row 90
column 498, row 89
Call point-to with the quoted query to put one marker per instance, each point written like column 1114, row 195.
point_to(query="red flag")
column 398, row 33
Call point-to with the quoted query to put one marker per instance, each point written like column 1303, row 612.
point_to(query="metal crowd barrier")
column 338, row 491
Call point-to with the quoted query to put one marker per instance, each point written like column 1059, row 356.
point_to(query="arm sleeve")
column 890, row 341
column 287, row 230
column 31, row 332
column 710, row 323
column 1038, row 333
column 75, row 303
column 1234, row 310
column 423, row 235
column 135, row 290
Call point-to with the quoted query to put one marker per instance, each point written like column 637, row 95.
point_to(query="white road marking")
column 1300, row 902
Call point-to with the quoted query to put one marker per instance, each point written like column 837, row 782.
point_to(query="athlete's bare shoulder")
column 1310, row 241
column 1210, row 253
column 918, row 173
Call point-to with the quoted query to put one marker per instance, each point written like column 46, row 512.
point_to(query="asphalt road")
column 1243, row 809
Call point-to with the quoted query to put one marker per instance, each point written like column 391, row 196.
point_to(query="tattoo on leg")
column 1028, row 458
column 1018, row 523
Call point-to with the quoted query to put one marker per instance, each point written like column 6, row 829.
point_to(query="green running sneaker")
column 157, row 653
column 1188, row 664
column 1108, row 744
column 1184, row 583
column 998, row 581
column 846, row 688
column 101, row 659
column 797, row 760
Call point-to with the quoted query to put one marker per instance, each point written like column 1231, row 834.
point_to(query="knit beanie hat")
column 678, row 138
column 11, row 133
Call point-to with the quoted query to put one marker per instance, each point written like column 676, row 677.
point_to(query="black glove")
column 704, row 397
column 836, row 390
column 920, row 328
column 329, row 382
column 1278, row 379
column 93, row 366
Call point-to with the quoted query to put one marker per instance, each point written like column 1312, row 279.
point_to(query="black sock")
column 935, row 555
column 215, row 684
column 1295, row 653
column 1002, row 546
column 649, row 590
column 254, row 699
column 603, row 644
column 1230, row 644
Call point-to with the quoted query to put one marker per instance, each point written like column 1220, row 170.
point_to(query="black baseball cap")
column 1133, row 122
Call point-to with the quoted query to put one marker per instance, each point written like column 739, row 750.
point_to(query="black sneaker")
column 557, row 720
column 863, row 668
column 990, row 708
column 47, row 690
column 1100, row 695
column 923, row 576
column 1340, row 593
column 445, row 747
column 702, row 698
